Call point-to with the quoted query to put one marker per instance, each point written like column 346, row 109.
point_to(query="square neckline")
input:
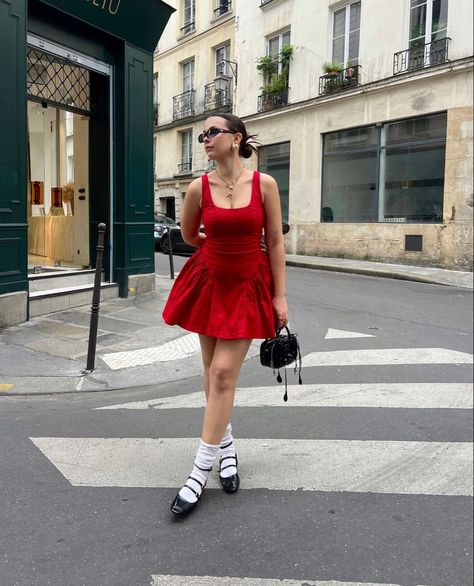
column 240, row 208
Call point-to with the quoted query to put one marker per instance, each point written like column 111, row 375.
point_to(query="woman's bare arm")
column 191, row 215
column 275, row 243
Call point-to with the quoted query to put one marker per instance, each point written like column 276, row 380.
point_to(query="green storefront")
column 76, row 143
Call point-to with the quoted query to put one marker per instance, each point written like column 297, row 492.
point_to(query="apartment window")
column 186, row 151
column 155, row 88
column 222, row 56
column 188, row 76
column 274, row 46
column 189, row 11
column 275, row 160
column 427, row 34
column 346, row 34
column 391, row 173
column 222, row 7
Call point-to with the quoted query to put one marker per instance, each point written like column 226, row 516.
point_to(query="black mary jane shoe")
column 230, row 483
column 180, row 507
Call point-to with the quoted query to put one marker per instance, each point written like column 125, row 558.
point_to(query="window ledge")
column 187, row 35
column 222, row 17
column 270, row 3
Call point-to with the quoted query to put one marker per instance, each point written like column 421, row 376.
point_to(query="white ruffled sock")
column 226, row 449
column 196, row 482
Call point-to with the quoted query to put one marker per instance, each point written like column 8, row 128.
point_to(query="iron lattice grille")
column 58, row 81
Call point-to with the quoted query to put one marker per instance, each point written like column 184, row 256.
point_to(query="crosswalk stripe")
column 178, row 349
column 374, row 357
column 168, row 580
column 395, row 467
column 333, row 334
column 388, row 395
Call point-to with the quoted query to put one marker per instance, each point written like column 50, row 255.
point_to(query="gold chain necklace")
column 230, row 186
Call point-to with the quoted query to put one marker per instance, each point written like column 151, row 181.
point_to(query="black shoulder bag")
column 280, row 352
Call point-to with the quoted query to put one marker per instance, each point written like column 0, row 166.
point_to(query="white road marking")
column 392, row 467
column 388, row 395
column 387, row 356
column 339, row 334
column 169, row 580
column 177, row 349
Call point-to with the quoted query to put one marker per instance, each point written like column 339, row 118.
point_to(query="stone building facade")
column 374, row 156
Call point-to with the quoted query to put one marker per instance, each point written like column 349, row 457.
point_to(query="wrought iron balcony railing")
column 183, row 105
column 188, row 27
column 185, row 166
column 215, row 99
column 268, row 102
column 224, row 7
column 155, row 114
column 335, row 82
column 421, row 55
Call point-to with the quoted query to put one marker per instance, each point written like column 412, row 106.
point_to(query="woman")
column 229, row 291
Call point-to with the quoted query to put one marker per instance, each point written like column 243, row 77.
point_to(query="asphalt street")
column 363, row 477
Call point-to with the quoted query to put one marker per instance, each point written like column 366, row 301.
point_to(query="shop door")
column 58, row 206
column 60, row 119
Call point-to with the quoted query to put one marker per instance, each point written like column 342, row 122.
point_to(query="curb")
column 368, row 272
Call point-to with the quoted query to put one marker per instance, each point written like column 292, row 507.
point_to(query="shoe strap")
column 203, row 469
column 227, row 445
column 196, row 480
column 228, row 458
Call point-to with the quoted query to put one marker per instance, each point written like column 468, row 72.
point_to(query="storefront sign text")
column 110, row 6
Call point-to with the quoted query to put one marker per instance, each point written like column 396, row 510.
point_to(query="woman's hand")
column 281, row 310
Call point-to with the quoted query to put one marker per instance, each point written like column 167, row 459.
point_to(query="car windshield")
column 160, row 219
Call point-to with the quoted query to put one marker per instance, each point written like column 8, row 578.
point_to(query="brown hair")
column 247, row 145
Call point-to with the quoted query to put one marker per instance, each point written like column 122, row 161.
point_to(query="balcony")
column 265, row 2
column 421, row 55
column 185, row 166
column 155, row 115
column 183, row 105
column 224, row 6
column 267, row 102
column 215, row 99
column 331, row 83
column 188, row 27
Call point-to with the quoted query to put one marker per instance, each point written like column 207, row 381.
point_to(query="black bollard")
column 170, row 254
column 95, row 300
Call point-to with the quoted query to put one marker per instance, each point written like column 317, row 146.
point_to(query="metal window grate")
column 58, row 81
column 413, row 242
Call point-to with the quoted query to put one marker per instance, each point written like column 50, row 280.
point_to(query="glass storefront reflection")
column 58, row 189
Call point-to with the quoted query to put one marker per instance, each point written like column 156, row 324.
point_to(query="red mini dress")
column 225, row 289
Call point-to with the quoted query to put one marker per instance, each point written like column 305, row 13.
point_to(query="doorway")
column 58, row 189
column 68, row 109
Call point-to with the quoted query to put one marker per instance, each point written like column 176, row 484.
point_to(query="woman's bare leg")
column 207, row 351
column 224, row 370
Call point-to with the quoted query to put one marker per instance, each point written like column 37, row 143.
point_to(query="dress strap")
column 206, row 192
column 256, row 193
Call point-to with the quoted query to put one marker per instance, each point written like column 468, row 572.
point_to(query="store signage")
column 111, row 6
column 139, row 23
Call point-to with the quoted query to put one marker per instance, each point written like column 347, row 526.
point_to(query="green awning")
column 140, row 23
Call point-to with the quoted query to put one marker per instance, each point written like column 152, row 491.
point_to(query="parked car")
column 178, row 244
column 181, row 247
column 162, row 222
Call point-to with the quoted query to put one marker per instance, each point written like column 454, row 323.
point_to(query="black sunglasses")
column 213, row 132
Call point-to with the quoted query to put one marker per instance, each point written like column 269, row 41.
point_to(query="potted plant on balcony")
column 332, row 69
column 275, row 83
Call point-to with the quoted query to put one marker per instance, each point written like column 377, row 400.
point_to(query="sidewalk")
column 134, row 347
